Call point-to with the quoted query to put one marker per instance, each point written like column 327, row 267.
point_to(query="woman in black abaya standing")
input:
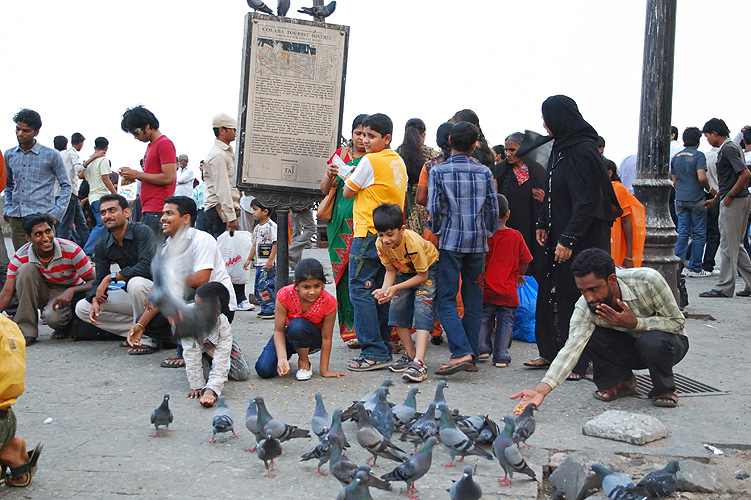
column 577, row 214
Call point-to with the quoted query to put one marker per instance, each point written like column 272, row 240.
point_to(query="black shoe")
column 31, row 341
column 436, row 340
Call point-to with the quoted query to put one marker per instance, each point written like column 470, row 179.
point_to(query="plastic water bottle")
column 264, row 288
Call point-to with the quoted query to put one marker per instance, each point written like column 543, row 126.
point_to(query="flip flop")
column 142, row 349
column 534, row 363
column 743, row 293
column 713, row 294
column 449, row 369
column 363, row 365
column 667, row 399
column 166, row 364
column 617, row 391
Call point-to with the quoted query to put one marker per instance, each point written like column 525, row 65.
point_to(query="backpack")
column 12, row 362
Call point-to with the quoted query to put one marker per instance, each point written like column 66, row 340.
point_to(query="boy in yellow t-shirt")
column 410, row 284
column 380, row 177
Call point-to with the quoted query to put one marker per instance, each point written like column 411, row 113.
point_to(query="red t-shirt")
column 290, row 299
column 158, row 153
column 507, row 252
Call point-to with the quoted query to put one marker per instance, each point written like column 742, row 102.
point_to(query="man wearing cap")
column 221, row 198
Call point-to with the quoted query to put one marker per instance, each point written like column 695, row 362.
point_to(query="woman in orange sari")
column 630, row 229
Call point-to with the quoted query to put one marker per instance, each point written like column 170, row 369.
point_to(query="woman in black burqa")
column 577, row 214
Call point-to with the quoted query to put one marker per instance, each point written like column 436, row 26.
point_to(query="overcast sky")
column 81, row 63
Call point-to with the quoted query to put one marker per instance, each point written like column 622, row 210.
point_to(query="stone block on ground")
column 575, row 477
column 634, row 428
column 700, row 478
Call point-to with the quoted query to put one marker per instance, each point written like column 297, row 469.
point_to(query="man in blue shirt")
column 32, row 170
column 688, row 170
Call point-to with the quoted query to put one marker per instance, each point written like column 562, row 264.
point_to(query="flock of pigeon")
column 318, row 12
column 378, row 421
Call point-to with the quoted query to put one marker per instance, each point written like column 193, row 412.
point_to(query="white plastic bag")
column 235, row 250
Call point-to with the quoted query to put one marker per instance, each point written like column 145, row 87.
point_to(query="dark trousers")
column 212, row 223
column 153, row 221
column 713, row 237
column 300, row 334
column 614, row 354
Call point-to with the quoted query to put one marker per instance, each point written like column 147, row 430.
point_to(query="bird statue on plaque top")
column 319, row 12
column 258, row 5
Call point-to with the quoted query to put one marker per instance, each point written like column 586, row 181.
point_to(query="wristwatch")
column 113, row 277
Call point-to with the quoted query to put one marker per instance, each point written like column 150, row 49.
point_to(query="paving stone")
column 699, row 478
column 634, row 428
column 575, row 477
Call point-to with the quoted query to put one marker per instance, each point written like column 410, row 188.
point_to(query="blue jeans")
column 266, row 307
column 462, row 334
column 500, row 319
column 692, row 221
column 371, row 318
column 97, row 232
column 300, row 334
column 73, row 216
column 414, row 307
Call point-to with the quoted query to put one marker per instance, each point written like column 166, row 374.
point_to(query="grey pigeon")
column 336, row 431
column 439, row 397
column 251, row 423
column 259, row 5
column 425, row 427
column 455, row 440
column 268, row 449
column 616, row 484
column 524, row 425
column 381, row 415
column 280, row 430
column 322, row 452
column 508, row 454
column 471, row 426
column 282, row 7
column 369, row 401
column 414, row 468
column 373, row 441
column 319, row 12
column 357, row 489
column 559, row 495
column 161, row 416
column 221, row 420
column 344, row 469
column 489, row 431
column 466, row 488
column 372, row 480
column 321, row 419
column 405, row 413
column 660, row 483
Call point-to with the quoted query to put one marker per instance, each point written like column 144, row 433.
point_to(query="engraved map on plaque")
column 291, row 102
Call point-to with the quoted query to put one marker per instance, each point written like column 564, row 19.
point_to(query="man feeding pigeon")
column 625, row 320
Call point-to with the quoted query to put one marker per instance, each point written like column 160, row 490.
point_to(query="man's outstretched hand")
column 536, row 395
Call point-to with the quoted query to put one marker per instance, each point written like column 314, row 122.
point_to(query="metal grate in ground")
column 684, row 386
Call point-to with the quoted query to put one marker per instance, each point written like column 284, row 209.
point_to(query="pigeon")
column 424, row 428
column 508, row 454
column 373, row 441
column 357, row 489
column 319, row 12
column 336, row 431
column 455, row 440
column 281, row 431
column 381, row 415
column 439, row 397
column 251, row 422
column 369, row 400
column 322, row 452
column 524, row 425
column 405, row 413
column 321, row 419
column 259, row 5
column 161, row 416
column 559, row 495
column 616, row 484
column 282, row 7
column 471, row 426
column 344, row 469
column 660, row 483
column 372, row 480
column 414, row 467
column 221, row 420
column 489, row 432
column 268, row 449
column 466, row 488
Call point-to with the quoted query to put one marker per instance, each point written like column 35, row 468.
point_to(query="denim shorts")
column 414, row 307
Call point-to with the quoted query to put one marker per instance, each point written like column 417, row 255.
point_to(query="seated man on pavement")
column 45, row 273
column 626, row 320
column 131, row 246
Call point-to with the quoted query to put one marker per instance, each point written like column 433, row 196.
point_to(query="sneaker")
column 417, row 372
column 304, row 374
column 245, row 306
column 436, row 339
column 698, row 274
column 265, row 315
column 401, row 364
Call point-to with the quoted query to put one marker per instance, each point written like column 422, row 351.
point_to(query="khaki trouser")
column 35, row 293
column 733, row 257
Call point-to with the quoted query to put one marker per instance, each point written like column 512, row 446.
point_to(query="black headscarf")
column 562, row 117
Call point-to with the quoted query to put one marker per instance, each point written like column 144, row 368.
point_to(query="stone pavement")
column 99, row 399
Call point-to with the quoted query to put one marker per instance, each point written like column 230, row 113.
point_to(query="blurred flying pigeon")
column 508, row 454
column 259, row 5
column 319, row 12
column 282, row 7
column 336, row 432
column 268, row 449
column 381, row 415
column 414, row 468
column 405, row 413
column 660, row 483
column 616, row 484
column 373, row 441
column 466, row 488
column 161, row 416
column 321, row 419
column 425, row 427
column 322, row 452
column 524, row 425
column 221, row 420
column 455, row 440
column 280, row 430
column 343, row 469
column 357, row 489
column 251, row 422
column 369, row 401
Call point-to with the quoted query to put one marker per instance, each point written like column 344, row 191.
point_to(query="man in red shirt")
column 159, row 165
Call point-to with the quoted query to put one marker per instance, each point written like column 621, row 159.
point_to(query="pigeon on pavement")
column 381, row 415
column 251, row 422
column 373, row 441
column 321, row 419
column 319, row 12
column 405, row 413
column 616, row 484
column 508, row 454
column 336, row 431
column 357, row 489
column 268, row 449
column 489, row 431
column 466, row 488
column 425, row 427
column 369, row 401
column 259, row 5
column 455, row 440
column 414, row 467
column 524, row 425
column 439, row 397
column 344, row 469
column 471, row 426
column 372, row 480
column 660, row 483
column 280, row 430
column 221, row 420
column 161, row 416
column 282, row 7
column 322, row 452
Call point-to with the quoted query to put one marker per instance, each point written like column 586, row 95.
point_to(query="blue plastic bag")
column 524, row 321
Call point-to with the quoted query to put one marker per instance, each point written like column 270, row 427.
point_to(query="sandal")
column 143, row 349
column 173, row 363
column 450, row 369
column 574, row 377
column 743, row 293
column 124, row 343
column 667, row 399
column 64, row 334
column 713, row 294
column 538, row 363
column 28, row 469
column 617, row 391
column 352, row 344
column 363, row 365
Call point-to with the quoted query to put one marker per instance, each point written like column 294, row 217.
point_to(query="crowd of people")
column 422, row 243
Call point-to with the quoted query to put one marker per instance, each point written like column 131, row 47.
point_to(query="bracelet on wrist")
column 142, row 327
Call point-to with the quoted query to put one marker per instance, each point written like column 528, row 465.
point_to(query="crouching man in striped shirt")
column 45, row 273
